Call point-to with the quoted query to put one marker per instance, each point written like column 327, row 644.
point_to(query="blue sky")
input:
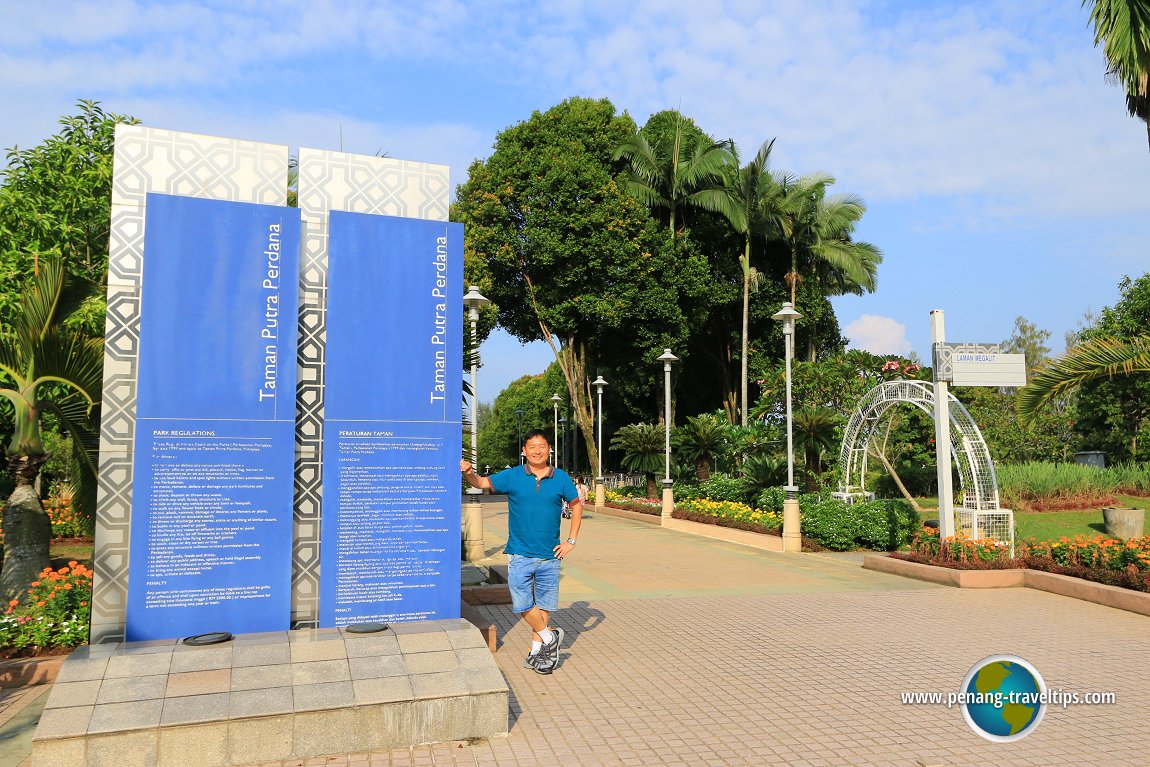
column 1001, row 172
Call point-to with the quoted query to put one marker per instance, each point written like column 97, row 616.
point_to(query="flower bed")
column 54, row 612
column 732, row 514
column 1099, row 559
column 640, row 505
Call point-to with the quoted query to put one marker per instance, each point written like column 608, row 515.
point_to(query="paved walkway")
column 686, row 651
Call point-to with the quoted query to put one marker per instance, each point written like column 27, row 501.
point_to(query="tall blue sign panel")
column 211, row 534
column 392, row 420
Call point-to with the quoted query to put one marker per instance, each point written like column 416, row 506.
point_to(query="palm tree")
column 1099, row 358
column 814, row 431
column 818, row 230
column 1122, row 27
column 642, row 445
column 763, row 471
column 689, row 170
column 700, row 439
column 50, row 367
column 752, row 208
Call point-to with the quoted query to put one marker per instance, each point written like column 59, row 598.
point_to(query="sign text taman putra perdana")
column 270, row 330
column 439, row 337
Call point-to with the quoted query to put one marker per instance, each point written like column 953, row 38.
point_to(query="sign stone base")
column 270, row 697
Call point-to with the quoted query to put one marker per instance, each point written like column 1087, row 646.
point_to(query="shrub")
column 771, row 499
column 54, row 612
column 718, row 488
column 626, row 491
column 879, row 524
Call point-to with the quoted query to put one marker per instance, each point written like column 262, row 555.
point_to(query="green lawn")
column 1052, row 525
column 63, row 552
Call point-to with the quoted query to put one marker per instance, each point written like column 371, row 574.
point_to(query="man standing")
column 535, row 495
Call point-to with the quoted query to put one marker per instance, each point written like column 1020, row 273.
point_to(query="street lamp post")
column 668, row 494
column 472, row 521
column 473, row 300
column 600, row 492
column 555, row 400
column 792, row 524
column 519, row 433
column 561, row 460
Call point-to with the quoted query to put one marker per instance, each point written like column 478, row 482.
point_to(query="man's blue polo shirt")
column 535, row 507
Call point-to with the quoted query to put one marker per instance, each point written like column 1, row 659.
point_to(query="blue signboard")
column 211, row 532
column 392, row 434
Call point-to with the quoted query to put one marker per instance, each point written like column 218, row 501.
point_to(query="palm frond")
column 1099, row 358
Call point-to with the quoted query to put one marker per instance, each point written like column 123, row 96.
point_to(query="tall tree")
column 1029, row 340
column 54, row 201
column 1122, row 28
column 754, row 213
column 1107, row 368
column 572, row 258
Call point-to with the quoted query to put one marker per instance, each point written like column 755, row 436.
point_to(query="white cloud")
column 878, row 335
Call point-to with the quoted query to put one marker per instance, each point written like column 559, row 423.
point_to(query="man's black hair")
column 536, row 433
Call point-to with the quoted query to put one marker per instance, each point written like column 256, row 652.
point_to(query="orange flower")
column 14, row 603
column 40, row 604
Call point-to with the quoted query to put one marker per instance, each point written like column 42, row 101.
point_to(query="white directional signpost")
column 962, row 365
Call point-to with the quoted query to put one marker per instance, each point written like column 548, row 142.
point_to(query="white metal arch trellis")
column 976, row 470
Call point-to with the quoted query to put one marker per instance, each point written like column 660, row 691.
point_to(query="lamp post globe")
column 792, row 534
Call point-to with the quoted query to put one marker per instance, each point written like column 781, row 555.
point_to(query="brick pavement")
column 791, row 660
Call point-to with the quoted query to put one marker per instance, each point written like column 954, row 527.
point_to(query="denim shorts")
column 533, row 583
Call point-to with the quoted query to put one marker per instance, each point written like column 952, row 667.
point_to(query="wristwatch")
column 571, row 541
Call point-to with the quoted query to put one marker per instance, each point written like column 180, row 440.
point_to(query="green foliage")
column 1113, row 410
column 37, row 353
column 761, row 472
column 1044, row 485
column 54, row 202
column 771, row 499
column 1122, row 28
column 53, row 613
column 568, row 255
column 700, row 439
column 680, row 169
column 1029, row 340
column 919, row 479
column 643, row 446
column 1048, row 437
column 717, row 488
column 880, row 524
column 628, row 491
column 501, row 430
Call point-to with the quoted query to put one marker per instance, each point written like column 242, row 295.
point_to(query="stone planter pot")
column 1124, row 523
